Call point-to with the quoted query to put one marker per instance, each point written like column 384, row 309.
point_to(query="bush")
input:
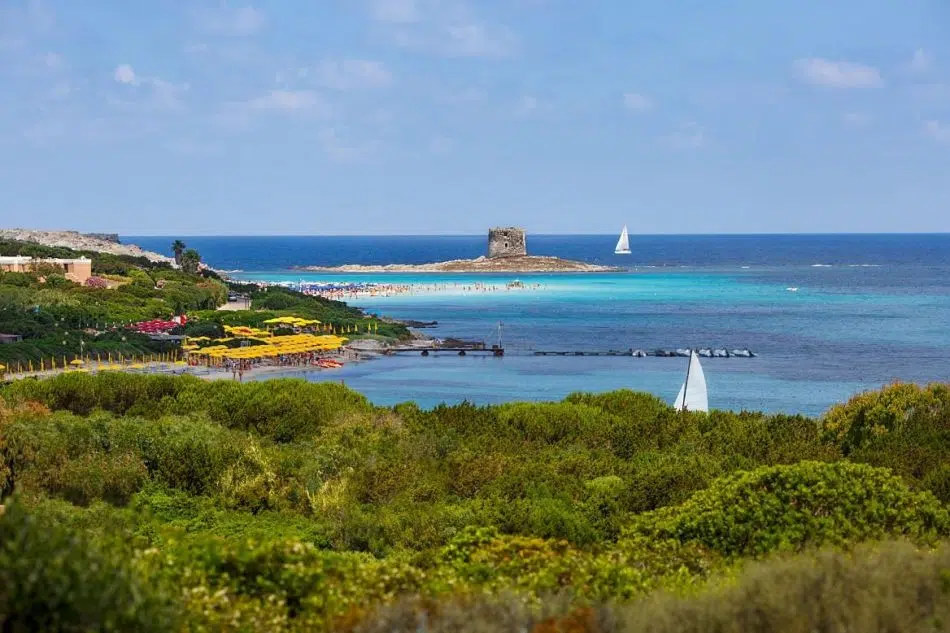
column 110, row 477
column 810, row 504
column 281, row 409
column 877, row 413
column 52, row 579
column 882, row 589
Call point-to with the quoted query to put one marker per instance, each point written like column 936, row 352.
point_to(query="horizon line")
column 482, row 235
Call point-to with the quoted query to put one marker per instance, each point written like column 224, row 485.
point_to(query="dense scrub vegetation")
column 287, row 505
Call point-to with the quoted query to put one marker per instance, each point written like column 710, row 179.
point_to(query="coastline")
column 75, row 240
column 94, row 242
column 512, row 265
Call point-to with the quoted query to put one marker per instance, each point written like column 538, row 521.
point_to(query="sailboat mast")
column 686, row 382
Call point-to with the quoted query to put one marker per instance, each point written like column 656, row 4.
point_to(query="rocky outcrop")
column 105, row 237
column 525, row 264
column 97, row 242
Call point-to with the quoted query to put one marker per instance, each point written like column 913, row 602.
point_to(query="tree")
column 178, row 247
column 190, row 260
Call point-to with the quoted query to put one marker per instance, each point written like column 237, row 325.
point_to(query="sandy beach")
column 382, row 290
column 515, row 265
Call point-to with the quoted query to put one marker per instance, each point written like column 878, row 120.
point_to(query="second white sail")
column 623, row 244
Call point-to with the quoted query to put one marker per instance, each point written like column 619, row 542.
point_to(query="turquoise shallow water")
column 815, row 346
column 869, row 309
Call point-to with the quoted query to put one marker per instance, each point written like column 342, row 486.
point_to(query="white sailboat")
column 623, row 244
column 692, row 395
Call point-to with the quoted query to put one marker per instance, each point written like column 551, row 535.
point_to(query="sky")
column 448, row 116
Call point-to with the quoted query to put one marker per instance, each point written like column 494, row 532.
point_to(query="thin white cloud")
column 921, row 62
column 474, row 40
column 636, row 102
column 463, row 95
column 343, row 150
column 237, row 22
column 396, row 11
column 22, row 23
column 149, row 92
column 837, row 74
column 40, row 16
column 444, row 27
column 441, row 145
column 167, row 95
column 53, row 60
column 932, row 93
column 124, row 74
column 528, row 105
column 857, row 119
column 690, row 136
column 289, row 101
column 190, row 147
column 61, row 90
column 938, row 131
column 352, row 74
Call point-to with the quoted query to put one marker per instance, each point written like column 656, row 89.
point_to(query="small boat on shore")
column 328, row 363
column 623, row 244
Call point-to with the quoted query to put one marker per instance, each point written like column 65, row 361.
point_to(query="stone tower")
column 507, row 242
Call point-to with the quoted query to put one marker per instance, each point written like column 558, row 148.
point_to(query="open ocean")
column 869, row 309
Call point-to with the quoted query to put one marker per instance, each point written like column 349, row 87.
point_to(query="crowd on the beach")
column 304, row 359
column 357, row 291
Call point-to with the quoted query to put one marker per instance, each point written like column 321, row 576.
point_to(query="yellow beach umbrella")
column 76, row 362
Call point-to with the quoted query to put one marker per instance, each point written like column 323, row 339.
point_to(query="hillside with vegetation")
column 173, row 504
column 60, row 320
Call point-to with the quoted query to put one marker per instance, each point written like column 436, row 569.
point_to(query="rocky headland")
column 96, row 242
column 522, row 264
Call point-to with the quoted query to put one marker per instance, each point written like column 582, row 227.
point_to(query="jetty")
column 497, row 350
column 494, row 350
column 659, row 353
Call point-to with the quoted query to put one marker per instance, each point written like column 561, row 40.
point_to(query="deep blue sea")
column 868, row 309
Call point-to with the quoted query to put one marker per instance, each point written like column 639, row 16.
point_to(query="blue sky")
column 447, row 116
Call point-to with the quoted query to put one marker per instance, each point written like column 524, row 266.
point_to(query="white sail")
column 692, row 395
column 623, row 244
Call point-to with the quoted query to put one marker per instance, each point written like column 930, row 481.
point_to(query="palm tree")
column 178, row 247
column 190, row 261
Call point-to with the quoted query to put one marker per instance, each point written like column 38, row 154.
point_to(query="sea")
column 827, row 316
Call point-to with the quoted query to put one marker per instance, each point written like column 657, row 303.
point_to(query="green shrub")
column 792, row 507
column 186, row 454
column 110, row 477
column 659, row 479
column 52, row 579
column 883, row 589
column 875, row 413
